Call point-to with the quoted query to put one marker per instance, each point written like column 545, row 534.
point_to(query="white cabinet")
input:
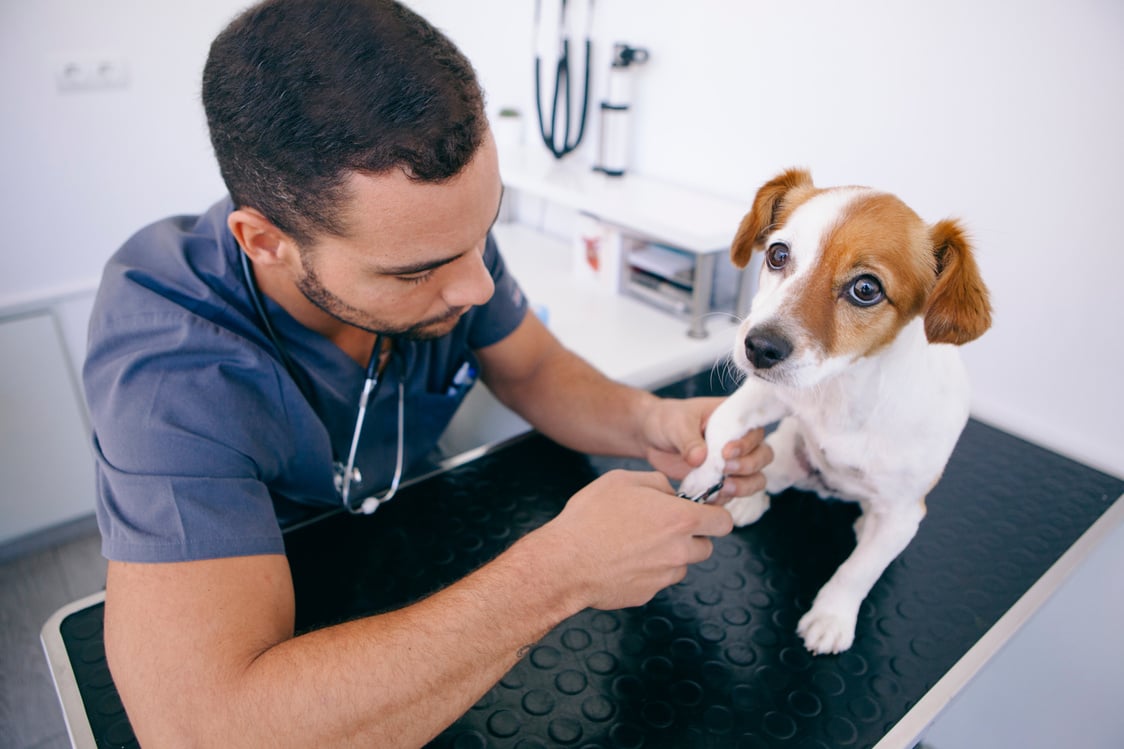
column 46, row 464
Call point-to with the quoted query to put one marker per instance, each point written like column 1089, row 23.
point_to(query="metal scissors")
column 706, row 494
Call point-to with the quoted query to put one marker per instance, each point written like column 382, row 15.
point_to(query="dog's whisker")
column 726, row 371
column 722, row 313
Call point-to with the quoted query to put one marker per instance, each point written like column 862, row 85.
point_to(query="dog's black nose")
column 766, row 348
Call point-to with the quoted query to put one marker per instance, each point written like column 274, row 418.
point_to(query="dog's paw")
column 826, row 630
column 747, row 510
column 701, row 479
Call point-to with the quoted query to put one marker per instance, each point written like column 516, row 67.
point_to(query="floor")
column 33, row 585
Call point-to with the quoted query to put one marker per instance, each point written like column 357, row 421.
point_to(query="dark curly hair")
column 300, row 93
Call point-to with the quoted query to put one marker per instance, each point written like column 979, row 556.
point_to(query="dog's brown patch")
column 878, row 235
column 959, row 309
column 774, row 203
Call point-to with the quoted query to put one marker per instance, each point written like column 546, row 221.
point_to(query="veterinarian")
column 227, row 400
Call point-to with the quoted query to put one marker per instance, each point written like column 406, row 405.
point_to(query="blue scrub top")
column 205, row 446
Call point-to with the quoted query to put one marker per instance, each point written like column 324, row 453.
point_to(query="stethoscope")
column 562, row 87
column 344, row 474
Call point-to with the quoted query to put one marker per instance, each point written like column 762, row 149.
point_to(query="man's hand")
column 626, row 536
column 674, row 431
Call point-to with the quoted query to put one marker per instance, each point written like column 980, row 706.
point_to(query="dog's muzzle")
column 766, row 348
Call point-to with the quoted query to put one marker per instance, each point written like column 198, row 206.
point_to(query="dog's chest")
column 839, row 465
column 873, row 459
column 847, row 445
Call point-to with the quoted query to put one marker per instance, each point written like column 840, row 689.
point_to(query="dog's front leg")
column 829, row 627
column 749, row 407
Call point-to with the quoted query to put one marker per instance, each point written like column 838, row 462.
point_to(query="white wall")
column 83, row 170
column 1005, row 114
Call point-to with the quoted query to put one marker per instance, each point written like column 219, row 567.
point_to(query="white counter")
column 625, row 338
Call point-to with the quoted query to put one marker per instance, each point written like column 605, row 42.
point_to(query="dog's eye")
column 865, row 291
column 777, row 255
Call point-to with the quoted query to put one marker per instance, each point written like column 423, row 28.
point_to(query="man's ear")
column 259, row 237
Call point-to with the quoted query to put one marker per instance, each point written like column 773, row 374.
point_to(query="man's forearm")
column 574, row 404
column 395, row 679
column 401, row 677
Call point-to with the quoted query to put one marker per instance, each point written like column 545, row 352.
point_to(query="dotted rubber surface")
column 715, row 660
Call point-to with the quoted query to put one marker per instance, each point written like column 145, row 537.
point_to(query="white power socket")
column 91, row 73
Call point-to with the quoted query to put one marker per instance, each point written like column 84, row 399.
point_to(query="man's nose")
column 473, row 286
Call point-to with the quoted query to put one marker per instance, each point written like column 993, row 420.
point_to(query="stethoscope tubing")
column 562, row 92
column 370, row 385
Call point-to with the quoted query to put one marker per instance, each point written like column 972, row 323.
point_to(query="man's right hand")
column 626, row 536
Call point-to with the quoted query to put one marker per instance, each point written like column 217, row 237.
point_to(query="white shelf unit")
column 644, row 211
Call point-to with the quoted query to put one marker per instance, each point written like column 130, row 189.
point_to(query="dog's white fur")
column 871, row 400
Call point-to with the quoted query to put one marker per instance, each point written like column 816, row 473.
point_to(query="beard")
column 329, row 303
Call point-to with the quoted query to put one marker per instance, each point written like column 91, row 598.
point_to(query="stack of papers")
column 665, row 262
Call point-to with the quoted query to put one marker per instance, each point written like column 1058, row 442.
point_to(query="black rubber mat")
column 713, row 661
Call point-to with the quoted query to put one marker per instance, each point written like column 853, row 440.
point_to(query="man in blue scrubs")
column 364, row 182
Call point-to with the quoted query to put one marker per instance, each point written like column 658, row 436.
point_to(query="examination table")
column 713, row 661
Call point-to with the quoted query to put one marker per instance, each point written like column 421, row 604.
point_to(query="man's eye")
column 416, row 278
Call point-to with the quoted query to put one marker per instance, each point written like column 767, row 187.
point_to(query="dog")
column 851, row 344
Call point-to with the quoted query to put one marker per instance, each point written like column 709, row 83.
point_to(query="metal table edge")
column 62, row 673
column 910, row 730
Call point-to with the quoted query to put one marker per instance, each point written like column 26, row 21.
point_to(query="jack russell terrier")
column 851, row 344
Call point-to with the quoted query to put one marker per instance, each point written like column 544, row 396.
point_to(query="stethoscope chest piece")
column 338, row 471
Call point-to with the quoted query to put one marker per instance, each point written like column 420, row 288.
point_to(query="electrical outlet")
column 91, row 73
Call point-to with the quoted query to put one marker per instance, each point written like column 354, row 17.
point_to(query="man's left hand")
column 674, row 431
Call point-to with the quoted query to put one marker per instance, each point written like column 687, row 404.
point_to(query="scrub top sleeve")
column 188, row 427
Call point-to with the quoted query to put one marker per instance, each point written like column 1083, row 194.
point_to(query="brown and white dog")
column 851, row 343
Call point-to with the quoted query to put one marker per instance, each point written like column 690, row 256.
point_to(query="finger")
column 713, row 521
column 750, row 463
column 695, row 454
column 699, row 549
column 657, row 481
column 739, row 486
column 691, row 440
column 744, row 445
column 644, row 479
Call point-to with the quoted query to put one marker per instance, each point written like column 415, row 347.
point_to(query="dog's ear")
column 958, row 310
column 766, row 209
